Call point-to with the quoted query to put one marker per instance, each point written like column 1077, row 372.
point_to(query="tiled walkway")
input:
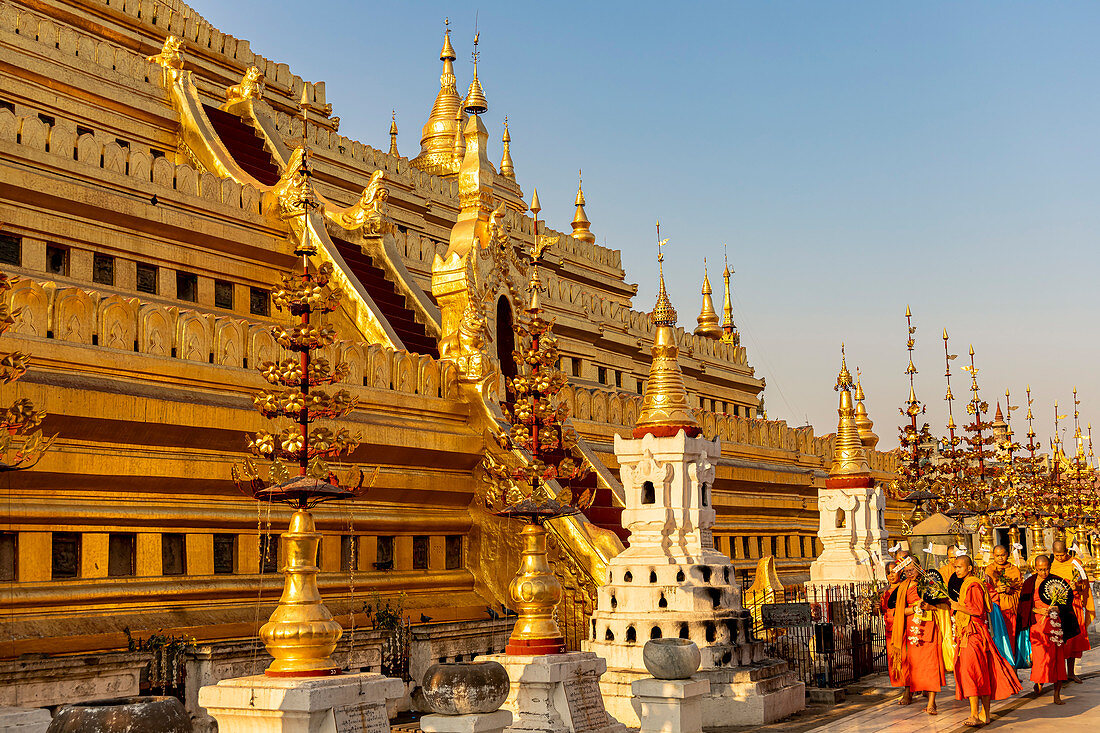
column 1024, row 712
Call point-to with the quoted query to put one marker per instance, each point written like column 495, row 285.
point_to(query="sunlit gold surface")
column 534, row 591
column 437, row 141
column 301, row 634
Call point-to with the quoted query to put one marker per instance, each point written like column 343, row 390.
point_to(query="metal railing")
column 830, row 635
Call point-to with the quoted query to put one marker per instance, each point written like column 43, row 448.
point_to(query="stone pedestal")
column 756, row 694
column 556, row 693
column 494, row 722
column 670, row 706
column 24, row 720
column 339, row 704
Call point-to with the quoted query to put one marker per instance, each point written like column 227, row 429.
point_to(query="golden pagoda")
column 866, row 433
column 665, row 408
column 393, row 135
column 708, row 320
column 581, row 225
column 506, row 168
column 437, row 140
column 850, row 466
column 729, row 329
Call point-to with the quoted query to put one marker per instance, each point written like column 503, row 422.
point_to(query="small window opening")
column 649, row 493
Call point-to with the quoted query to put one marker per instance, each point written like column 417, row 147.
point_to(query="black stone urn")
column 464, row 688
column 123, row 715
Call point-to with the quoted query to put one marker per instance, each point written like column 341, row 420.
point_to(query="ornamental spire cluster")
column 849, row 455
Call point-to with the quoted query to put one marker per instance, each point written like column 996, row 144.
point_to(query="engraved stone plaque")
column 586, row 710
column 364, row 717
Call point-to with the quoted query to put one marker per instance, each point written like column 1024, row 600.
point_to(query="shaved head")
column 1042, row 561
column 1059, row 547
column 1000, row 554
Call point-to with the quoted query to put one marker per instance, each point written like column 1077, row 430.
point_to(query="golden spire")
column 708, row 319
column 393, row 135
column 665, row 410
column 729, row 329
column 458, row 149
column 437, row 139
column 849, row 456
column 580, row 219
column 863, row 421
column 475, row 103
column 506, row 168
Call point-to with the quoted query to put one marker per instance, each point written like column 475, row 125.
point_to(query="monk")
column 1071, row 570
column 1004, row 581
column 898, row 672
column 943, row 613
column 1046, row 629
column 916, row 662
column 981, row 673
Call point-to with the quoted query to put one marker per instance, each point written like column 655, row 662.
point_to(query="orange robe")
column 979, row 669
column 1083, row 604
column 1005, row 582
column 899, row 673
column 924, row 657
column 1048, row 658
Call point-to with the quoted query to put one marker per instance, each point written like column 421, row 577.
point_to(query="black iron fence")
column 830, row 635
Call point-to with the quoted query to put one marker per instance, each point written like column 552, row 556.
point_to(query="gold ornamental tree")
column 301, row 634
column 545, row 450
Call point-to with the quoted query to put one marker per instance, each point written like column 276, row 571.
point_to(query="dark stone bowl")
column 671, row 659
column 123, row 715
column 465, row 687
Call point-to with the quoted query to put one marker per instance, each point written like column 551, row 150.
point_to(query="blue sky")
column 854, row 156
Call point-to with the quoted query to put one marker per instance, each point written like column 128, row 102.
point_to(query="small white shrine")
column 670, row 581
column 851, row 506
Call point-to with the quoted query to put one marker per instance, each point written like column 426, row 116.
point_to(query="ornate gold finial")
column 849, row 456
column 665, row 410
column 663, row 313
column 475, row 103
column 729, row 328
column 535, row 207
column 506, row 168
column 709, row 326
column 867, row 434
column 393, row 135
column 445, row 122
column 581, row 225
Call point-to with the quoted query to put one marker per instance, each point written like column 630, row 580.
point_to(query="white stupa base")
column 261, row 704
column 755, row 695
column 556, row 693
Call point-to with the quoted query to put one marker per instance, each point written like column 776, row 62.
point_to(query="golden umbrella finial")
column 475, row 103
column 393, row 134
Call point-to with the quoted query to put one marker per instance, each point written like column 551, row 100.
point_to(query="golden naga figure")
column 171, row 56
column 295, row 190
column 369, row 213
column 251, row 86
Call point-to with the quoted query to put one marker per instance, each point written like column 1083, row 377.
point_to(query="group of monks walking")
column 983, row 626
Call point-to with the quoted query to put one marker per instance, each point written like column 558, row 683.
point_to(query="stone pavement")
column 1036, row 714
